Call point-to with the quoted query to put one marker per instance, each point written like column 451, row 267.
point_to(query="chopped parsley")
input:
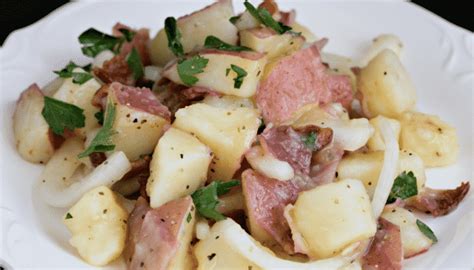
column 241, row 74
column 174, row 36
column 102, row 142
column 213, row 42
column 61, row 115
column 206, row 198
column 310, row 140
column 234, row 19
column 93, row 41
column 68, row 216
column 188, row 218
column 100, row 117
column 264, row 17
column 426, row 231
column 187, row 68
column 77, row 77
column 135, row 64
column 403, row 187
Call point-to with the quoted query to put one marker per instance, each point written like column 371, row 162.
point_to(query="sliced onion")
column 349, row 134
column 389, row 168
column 102, row 57
column 202, row 229
column 152, row 73
column 57, row 193
column 243, row 244
column 266, row 164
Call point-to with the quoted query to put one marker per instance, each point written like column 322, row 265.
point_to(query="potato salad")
column 236, row 141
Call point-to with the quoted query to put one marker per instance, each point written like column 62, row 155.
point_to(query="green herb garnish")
column 100, row 117
column 234, row 19
column 61, row 115
column 206, row 198
column 241, row 74
column 310, row 140
column 213, row 42
column 188, row 218
column 77, row 77
column 264, row 17
column 403, row 187
column 68, row 216
column 190, row 67
column 135, row 64
column 174, row 36
column 93, row 41
column 426, row 231
column 127, row 34
column 102, row 142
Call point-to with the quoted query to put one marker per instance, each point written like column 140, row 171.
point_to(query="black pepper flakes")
column 211, row 256
column 162, row 220
column 135, row 120
column 181, row 156
column 385, row 73
column 101, row 193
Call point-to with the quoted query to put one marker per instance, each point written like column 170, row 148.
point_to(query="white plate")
column 438, row 56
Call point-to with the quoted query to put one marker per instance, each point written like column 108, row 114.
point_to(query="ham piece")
column 153, row 234
column 297, row 80
column 386, row 251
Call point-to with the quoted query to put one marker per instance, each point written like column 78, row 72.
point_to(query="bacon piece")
column 438, row 202
column 297, row 80
column 286, row 144
column 197, row 92
column 324, row 165
column 116, row 69
column 153, row 234
column 266, row 199
column 386, row 252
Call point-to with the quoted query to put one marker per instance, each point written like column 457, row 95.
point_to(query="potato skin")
column 433, row 140
column 386, row 86
column 332, row 216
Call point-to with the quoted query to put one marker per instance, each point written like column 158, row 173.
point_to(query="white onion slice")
column 57, row 193
column 389, row 168
column 152, row 73
column 268, row 165
column 243, row 244
column 349, row 134
column 102, row 57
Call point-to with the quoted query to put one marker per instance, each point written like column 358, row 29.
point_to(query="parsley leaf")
column 264, row 17
column 135, row 63
column 206, row 198
column 310, row 140
column 213, row 42
column 93, row 42
column 234, row 19
column 426, row 231
column 188, row 218
column 174, row 36
column 102, row 141
column 100, row 117
column 127, row 34
column 61, row 115
column 403, row 187
column 77, row 77
column 68, row 216
column 189, row 67
column 241, row 74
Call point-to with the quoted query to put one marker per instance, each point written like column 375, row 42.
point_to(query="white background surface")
column 438, row 55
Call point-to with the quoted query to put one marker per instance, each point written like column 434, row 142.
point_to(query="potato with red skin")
column 34, row 141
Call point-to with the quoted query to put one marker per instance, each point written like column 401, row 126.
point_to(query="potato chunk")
column 414, row 241
column 179, row 167
column 367, row 166
column 194, row 28
column 433, row 140
column 376, row 142
column 266, row 41
column 98, row 223
column 81, row 96
column 380, row 43
column 218, row 75
column 228, row 132
column 331, row 217
column 386, row 86
column 32, row 136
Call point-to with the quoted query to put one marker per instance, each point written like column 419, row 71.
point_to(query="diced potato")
column 228, row 102
column 98, row 223
column 52, row 87
column 216, row 77
column 305, row 32
column 340, row 65
column 380, row 43
column 367, row 166
column 137, row 131
column 414, row 241
column 376, row 142
column 273, row 44
column 433, row 140
column 194, row 28
column 81, row 96
column 228, row 132
column 333, row 216
column 179, row 167
column 215, row 253
column 386, row 86
column 32, row 136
